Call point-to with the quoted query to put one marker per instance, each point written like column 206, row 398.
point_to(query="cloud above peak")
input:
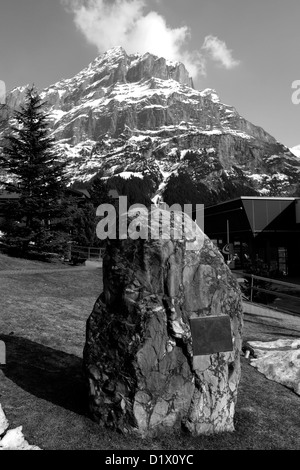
column 106, row 24
column 219, row 52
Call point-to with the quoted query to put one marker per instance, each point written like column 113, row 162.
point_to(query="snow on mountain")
column 296, row 150
column 140, row 115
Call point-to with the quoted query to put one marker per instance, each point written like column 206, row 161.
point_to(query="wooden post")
column 252, row 284
column 228, row 232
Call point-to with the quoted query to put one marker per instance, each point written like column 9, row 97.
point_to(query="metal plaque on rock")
column 211, row 335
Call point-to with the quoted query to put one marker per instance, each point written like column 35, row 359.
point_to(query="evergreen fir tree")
column 30, row 160
column 99, row 192
column 81, row 223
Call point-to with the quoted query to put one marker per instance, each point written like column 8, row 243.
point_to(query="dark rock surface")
column 138, row 356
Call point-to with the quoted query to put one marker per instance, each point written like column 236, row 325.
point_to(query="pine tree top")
column 29, row 153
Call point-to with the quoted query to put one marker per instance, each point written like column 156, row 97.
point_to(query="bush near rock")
column 138, row 357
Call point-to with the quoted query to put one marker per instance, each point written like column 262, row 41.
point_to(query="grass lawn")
column 42, row 321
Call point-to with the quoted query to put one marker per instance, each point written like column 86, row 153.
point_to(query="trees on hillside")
column 29, row 158
column 137, row 190
column 81, row 223
column 99, row 191
column 181, row 189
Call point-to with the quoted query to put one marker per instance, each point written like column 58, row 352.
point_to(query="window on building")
column 283, row 260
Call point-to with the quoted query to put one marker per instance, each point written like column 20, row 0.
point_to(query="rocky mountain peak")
column 139, row 115
column 211, row 94
column 121, row 67
column 150, row 66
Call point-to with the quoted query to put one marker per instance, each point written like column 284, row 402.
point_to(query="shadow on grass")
column 49, row 374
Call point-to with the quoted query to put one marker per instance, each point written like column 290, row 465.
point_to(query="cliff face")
column 140, row 115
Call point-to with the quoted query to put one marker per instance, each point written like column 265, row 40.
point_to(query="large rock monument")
column 140, row 363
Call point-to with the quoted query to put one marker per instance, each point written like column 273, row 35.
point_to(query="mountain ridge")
column 140, row 115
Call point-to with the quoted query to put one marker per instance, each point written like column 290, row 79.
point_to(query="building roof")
column 256, row 198
column 7, row 195
column 79, row 192
column 4, row 194
column 113, row 193
column 256, row 213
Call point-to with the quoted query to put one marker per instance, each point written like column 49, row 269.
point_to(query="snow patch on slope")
column 279, row 361
column 12, row 439
column 296, row 150
column 128, row 174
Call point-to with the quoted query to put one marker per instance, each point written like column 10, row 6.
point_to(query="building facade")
column 257, row 232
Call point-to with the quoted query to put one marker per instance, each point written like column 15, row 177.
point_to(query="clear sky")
column 247, row 50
